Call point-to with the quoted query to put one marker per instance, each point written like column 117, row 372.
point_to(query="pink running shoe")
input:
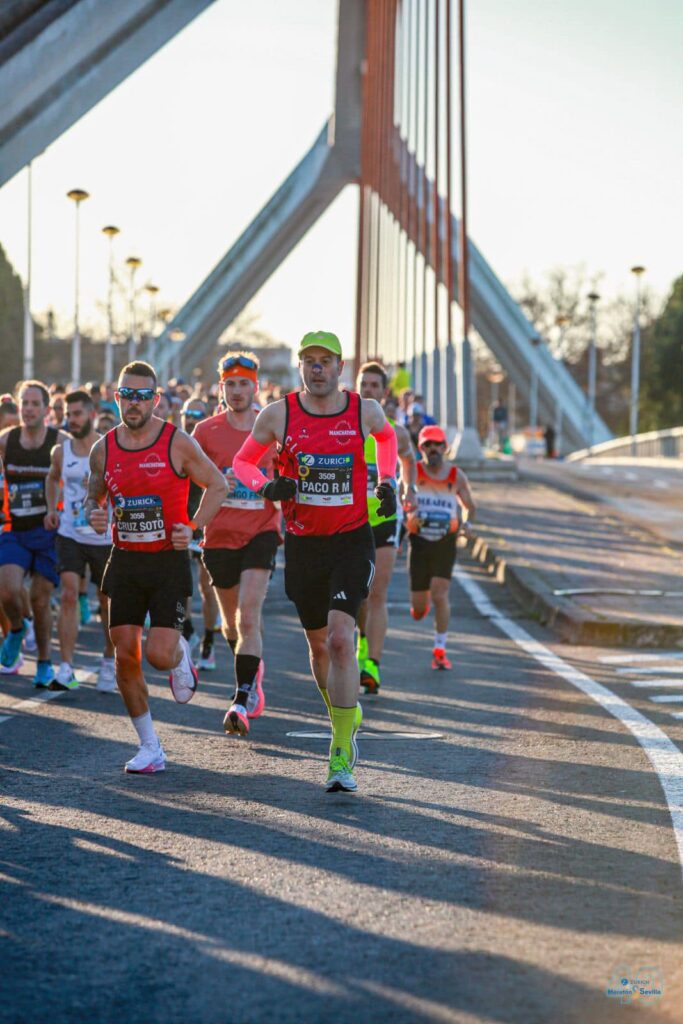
column 256, row 701
column 236, row 721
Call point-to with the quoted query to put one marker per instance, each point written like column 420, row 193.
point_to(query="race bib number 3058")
column 140, row 520
column 325, row 480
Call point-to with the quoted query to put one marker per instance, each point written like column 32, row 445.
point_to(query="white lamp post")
column 593, row 298
column 77, row 195
column 28, row 319
column 133, row 262
column 635, row 363
column 111, row 232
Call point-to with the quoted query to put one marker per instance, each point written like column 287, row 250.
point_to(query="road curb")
column 572, row 625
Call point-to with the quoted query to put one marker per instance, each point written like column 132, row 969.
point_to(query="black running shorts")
column 226, row 565
column 72, row 556
column 138, row 582
column 386, row 534
column 329, row 573
column 430, row 558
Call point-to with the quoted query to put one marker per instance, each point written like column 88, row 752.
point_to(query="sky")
column 575, row 156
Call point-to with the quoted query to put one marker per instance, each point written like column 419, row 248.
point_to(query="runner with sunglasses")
column 78, row 546
column 329, row 550
column 144, row 468
column 241, row 541
column 192, row 413
column 442, row 489
column 373, row 620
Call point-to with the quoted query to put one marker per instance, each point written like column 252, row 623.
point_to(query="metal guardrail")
column 666, row 444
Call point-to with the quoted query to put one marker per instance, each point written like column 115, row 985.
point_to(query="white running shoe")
column 236, row 721
column 340, row 777
column 183, row 679
column 106, row 677
column 30, row 642
column 149, row 758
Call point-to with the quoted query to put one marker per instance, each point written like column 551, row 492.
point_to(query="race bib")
column 325, row 479
column 241, row 497
column 139, row 520
column 373, row 479
column 27, row 498
column 435, row 525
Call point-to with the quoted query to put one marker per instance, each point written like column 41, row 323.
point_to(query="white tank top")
column 72, row 523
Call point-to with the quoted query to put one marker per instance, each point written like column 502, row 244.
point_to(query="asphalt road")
column 511, row 869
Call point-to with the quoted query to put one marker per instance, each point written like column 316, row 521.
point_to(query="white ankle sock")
column 144, row 727
column 440, row 640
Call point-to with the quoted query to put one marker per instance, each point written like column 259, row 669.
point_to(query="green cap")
column 321, row 339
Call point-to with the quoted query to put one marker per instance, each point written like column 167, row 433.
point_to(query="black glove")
column 282, row 488
column 387, row 500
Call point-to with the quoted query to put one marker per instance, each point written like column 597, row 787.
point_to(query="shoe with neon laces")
column 149, row 758
column 236, row 721
column 361, row 651
column 340, row 777
column 65, row 679
column 45, row 675
column 369, row 677
column 106, row 677
column 10, row 652
column 30, row 642
column 357, row 722
column 256, row 701
column 207, row 660
column 439, row 659
column 84, row 609
column 183, row 679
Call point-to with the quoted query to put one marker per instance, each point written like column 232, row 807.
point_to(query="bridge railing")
column 666, row 444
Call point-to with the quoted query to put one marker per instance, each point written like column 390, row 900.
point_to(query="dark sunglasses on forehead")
column 245, row 361
column 194, row 414
column 137, row 394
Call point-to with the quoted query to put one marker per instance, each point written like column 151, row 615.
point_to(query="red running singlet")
column 146, row 493
column 324, row 454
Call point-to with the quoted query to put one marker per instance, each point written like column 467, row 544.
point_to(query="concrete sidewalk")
column 578, row 567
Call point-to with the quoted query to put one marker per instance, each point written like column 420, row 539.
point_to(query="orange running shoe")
column 439, row 659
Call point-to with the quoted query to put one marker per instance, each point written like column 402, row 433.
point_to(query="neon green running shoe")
column 362, row 651
column 369, row 677
column 340, row 777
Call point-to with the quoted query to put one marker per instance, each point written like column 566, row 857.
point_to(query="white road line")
column 624, row 659
column 666, row 670
column 668, row 698
column 30, row 704
column 663, row 754
column 677, row 714
column 655, row 684
column 661, row 484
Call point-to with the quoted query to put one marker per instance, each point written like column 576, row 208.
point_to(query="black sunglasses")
column 431, row 444
column 137, row 394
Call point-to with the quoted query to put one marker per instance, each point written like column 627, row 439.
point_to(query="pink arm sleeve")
column 387, row 451
column 245, row 464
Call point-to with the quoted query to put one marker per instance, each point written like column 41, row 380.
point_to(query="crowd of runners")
column 128, row 487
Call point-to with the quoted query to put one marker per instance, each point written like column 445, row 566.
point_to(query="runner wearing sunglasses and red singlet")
column 241, row 540
column 433, row 525
column 144, row 468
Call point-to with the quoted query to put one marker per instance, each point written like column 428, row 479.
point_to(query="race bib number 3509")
column 140, row 520
column 325, row 480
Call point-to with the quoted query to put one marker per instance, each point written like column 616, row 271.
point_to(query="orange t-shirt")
column 244, row 513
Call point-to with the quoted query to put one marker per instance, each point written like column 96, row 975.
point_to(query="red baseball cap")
column 431, row 433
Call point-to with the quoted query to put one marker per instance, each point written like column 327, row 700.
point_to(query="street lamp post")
column 635, row 363
column 133, row 262
column 111, row 232
column 77, row 195
column 533, row 387
column 562, row 322
column 28, row 319
column 593, row 298
column 152, row 290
